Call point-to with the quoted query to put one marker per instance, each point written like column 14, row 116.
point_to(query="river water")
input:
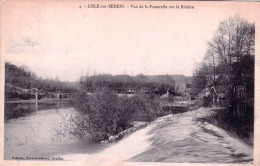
column 30, row 130
column 186, row 138
column 174, row 138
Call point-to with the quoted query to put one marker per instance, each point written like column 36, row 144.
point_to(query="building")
column 218, row 93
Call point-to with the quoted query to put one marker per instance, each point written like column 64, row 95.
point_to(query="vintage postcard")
column 129, row 82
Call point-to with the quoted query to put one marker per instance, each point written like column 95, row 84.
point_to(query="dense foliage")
column 229, row 61
column 24, row 78
column 104, row 113
column 129, row 84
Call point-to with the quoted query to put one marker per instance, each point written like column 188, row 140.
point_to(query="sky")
column 63, row 41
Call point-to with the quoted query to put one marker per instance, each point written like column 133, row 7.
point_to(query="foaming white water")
column 184, row 138
column 127, row 148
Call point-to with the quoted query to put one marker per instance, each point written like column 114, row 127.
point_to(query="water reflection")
column 16, row 110
column 30, row 130
column 237, row 120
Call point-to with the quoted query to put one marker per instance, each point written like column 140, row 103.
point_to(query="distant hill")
column 24, row 79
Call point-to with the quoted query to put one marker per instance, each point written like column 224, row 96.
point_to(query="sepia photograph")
column 129, row 82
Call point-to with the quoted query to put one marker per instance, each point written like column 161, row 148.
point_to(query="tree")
column 229, row 60
column 199, row 81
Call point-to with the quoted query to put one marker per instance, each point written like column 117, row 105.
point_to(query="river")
column 174, row 138
column 30, row 130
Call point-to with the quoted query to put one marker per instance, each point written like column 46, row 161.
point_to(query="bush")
column 11, row 95
column 26, row 96
column 104, row 113
column 147, row 108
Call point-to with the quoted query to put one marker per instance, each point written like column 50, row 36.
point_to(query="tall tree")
column 229, row 60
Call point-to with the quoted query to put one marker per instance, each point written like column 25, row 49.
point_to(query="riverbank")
column 39, row 101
